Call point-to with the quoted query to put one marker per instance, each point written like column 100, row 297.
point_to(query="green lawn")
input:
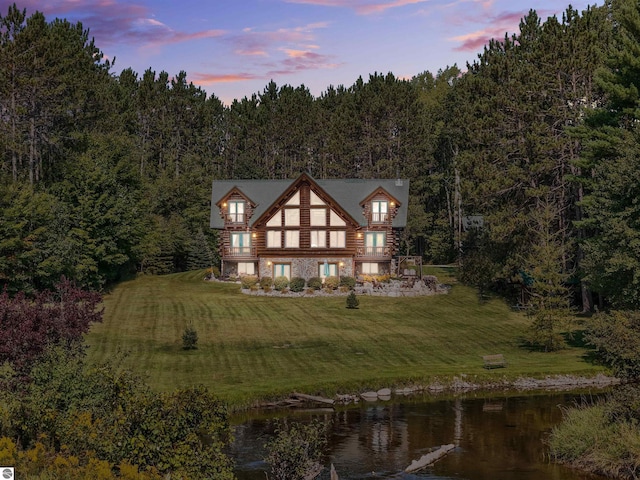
column 261, row 347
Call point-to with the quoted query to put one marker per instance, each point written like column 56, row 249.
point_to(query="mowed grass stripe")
column 252, row 347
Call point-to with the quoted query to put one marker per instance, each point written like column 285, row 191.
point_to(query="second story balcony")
column 240, row 252
column 374, row 252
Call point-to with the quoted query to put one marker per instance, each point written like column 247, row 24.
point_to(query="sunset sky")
column 233, row 48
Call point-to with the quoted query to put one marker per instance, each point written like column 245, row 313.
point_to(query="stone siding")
column 306, row 267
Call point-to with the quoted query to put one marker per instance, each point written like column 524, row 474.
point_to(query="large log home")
column 308, row 228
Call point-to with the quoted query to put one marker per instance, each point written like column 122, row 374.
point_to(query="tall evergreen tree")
column 612, row 214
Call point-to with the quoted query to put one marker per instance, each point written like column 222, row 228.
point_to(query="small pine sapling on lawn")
column 189, row 338
column 352, row 300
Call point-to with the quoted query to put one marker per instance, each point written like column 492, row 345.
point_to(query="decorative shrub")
column 281, row 283
column 189, row 338
column 386, row 278
column 332, row 282
column 430, row 281
column 349, row 282
column 352, row 300
column 266, row 282
column 315, row 283
column 249, row 281
column 297, row 284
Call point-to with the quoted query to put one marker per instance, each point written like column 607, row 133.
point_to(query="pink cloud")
column 113, row 21
column 297, row 61
column 361, row 7
column 251, row 42
column 498, row 26
column 210, row 78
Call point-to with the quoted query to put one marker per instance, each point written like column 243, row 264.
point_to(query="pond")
column 497, row 438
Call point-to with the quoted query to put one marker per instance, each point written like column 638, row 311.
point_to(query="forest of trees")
column 103, row 175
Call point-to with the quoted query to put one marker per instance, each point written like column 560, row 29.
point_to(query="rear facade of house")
column 308, row 228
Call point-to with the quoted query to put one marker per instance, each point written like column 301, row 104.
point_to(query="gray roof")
column 348, row 193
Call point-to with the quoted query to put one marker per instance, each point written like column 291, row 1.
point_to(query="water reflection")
column 501, row 438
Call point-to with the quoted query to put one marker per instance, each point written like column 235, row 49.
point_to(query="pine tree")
column 352, row 300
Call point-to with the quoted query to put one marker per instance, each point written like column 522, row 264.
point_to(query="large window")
column 327, row 270
column 314, row 199
column 274, row 239
column 276, row 220
column 335, row 220
column 246, row 268
column 337, row 239
column 318, row 217
column 379, row 211
column 370, row 268
column 291, row 238
column 240, row 244
column 318, row 238
column 282, row 270
column 292, row 217
column 374, row 243
column 236, row 211
column 295, row 199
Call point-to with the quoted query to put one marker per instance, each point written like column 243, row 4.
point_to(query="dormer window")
column 379, row 211
column 235, row 211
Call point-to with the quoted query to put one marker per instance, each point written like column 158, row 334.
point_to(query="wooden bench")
column 494, row 361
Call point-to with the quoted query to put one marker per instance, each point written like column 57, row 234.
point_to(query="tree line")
column 106, row 174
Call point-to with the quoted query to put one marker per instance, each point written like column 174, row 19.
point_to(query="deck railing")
column 240, row 252
column 374, row 252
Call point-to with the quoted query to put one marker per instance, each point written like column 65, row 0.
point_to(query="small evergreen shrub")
column 189, row 338
column 249, row 281
column 352, row 300
column 297, row 284
column 266, row 282
column 332, row 282
column 315, row 283
column 347, row 281
column 281, row 283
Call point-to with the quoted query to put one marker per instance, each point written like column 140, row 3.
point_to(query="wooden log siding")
column 305, row 227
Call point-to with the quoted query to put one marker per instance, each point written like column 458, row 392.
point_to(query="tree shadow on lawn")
column 577, row 339
column 574, row 339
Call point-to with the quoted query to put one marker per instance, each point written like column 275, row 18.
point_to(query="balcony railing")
column 240, row 252
column 377, row 217
column 235, row 217
column 374, row 252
